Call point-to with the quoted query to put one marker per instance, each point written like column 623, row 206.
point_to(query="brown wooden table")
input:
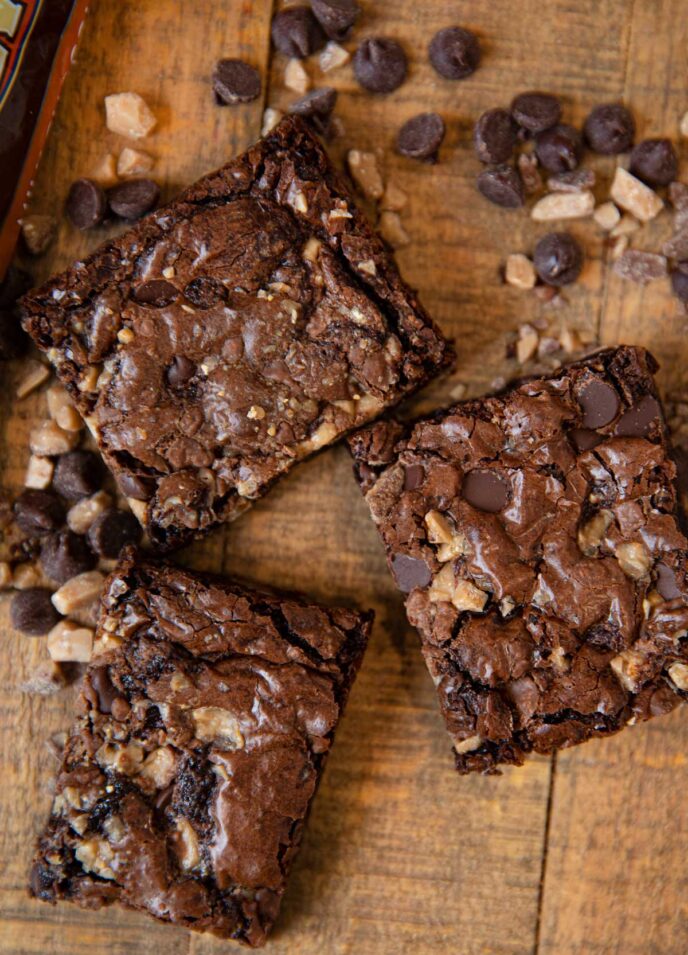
column 578, row 856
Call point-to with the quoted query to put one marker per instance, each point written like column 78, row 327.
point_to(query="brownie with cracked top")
column 536, row 537
column 254, row 320
column 203, row 725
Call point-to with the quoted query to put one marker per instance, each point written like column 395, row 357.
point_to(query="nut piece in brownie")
column 203, row 725
column 537, row 539
column 252, row 321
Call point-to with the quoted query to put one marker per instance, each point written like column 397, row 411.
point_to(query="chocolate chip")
column 105, row 689
column 380, row 65
column 32, row 611
column 112, row 531
column 558, row 259
column 414, row 475
column 86, row 204
column 455, row 53
column 38, row 512
column 610, row 129
column 485, row 490
column 494, row 136
column 655, row 162
column 336, row 17
column 666, row 582
column 536, row 111
column 133, row 198
column 180, row 371
column 560, row 148
column 157, row 293
column 66, row 554
column 296, row 32
column 235, row 81
column 503, row 186
column 638, row 420
column 600, row 403
column 316, row 106
column 679, row 281
column 584, row 439
column 205, row 292
column 139, row 487
column 78, row 474
column 410, row 572
column 421, row 137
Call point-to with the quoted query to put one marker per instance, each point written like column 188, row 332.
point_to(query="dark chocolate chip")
column 380, row 64
column 410, row 572
column 205, row 292
column 86, row 204
column 558, row 259
column 536, row 111
column 296, row 32
column 316, row 106
column 638, row 420
column 139, row 487
column 157, row 293
column 105, row 689
column 235, row 81
column 610, row 129
column 421, row 137
column 180, row 371
column 66, row 554
column 112, row 531
column 133, row 198
column 503, row 186
column 655, row 162
column 32, row 611
column 666, row 582
column 336, row 17
column 455, row 53
column 414, row 475
column 485, row 490
column 38, row 512
column 600, row 403
column 494, row 136
column 560, row 148
column 585, row 439
column 78, row 474
column 679, row 281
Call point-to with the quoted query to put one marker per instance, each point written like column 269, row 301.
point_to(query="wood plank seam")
column 545, row 846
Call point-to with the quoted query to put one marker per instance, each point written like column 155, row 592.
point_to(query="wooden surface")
column 578, row 856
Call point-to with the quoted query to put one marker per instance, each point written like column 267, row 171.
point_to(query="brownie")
column 202, row 727
column 536, row 537
column 254, row 320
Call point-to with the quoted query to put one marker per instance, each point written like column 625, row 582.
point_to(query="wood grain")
column 400, row 854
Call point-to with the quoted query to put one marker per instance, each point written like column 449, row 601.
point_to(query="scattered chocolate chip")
column 157, row 293
column 414, row 475
column 336, row 17
column 600, row 403
column 455, row 53
column 380, row 65
column 637, row 421
column 585, row 439
column 610, row 129
column 640, row 267
column 655, row 162
column 494, row 136
column 64, row 555
column 296, row 32
column 666, row 582
column 679, row 281
column 503, row 186
column 139, row 487
column 410, row 572
column 86, row 204
column 205, row 292
column 421, row 137
column 38, row 512
column 180, row 371
column 536, row 111
column 558, row 259
column 560, row 148
column 78, row 474
column 133, row 198
column 485, row 490
column 32, row 611
column 316, row 106
column 105, row 689
column 235, row 81
column 110, row 532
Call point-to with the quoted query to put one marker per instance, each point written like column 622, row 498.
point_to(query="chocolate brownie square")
column 203, row 724
column 254, row 320
column 536, row 537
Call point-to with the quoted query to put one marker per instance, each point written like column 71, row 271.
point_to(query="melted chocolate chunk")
column 638, row 420
column 413, row 476
column 409, row 572
column 157, row 293
column 666, row 582
column 485, row 490
column 600, row 403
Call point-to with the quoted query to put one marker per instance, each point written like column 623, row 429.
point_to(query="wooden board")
column 401, row 855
